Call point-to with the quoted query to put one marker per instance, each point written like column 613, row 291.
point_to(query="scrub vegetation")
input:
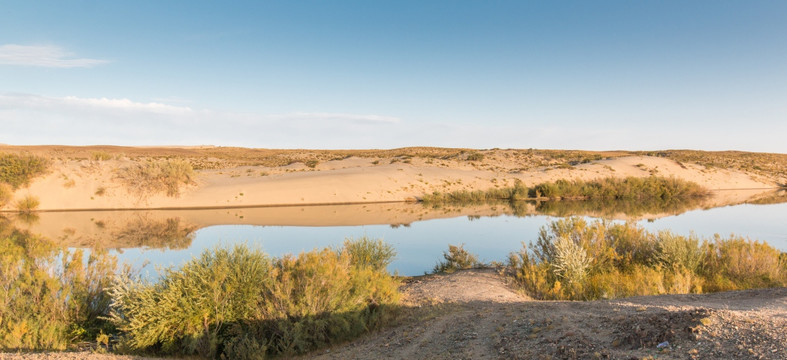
column 232, row 303
column 576, row 260
column 153, row 177
column 27, row 204
column 457, row 258
column 17, row 170
column 50, row 298
column 653, row 187
column 5, row 194
column 240, row 303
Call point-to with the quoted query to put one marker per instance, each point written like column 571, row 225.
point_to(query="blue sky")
column 592, row 75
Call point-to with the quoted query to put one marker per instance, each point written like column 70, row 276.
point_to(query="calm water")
column 420, row 245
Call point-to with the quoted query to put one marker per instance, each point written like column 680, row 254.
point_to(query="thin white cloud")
column 78, row 120
column 28, row 101
column 43, row 56
column 123, row 105
column 375, row 119
column 36, row 119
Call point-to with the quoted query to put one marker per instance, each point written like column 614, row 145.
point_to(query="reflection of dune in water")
column 175, row 229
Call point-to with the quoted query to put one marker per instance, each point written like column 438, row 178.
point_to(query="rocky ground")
column 474, row 315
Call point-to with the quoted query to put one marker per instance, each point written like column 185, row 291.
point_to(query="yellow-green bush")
column 5, row 195
column 19, row 170
column 49, row 297
column 456, row 258
column 649, row 188
column 27, row 204
column 573, row 259
column 365, row 251
column 239, row 303
column 738, row 263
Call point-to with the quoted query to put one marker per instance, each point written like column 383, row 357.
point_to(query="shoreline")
column 253, row 206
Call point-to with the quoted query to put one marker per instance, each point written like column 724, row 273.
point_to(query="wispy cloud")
column 43, row 56
column 37, row 119
column 359, row 118
column 78, row 120
column 54, row 104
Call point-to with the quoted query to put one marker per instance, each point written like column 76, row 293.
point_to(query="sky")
column 594, row 75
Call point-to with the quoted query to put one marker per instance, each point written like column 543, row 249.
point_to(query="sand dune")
column 73, row 184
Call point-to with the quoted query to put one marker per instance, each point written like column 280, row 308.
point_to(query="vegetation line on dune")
column 653, row 187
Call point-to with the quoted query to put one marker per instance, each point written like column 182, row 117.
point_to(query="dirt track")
column 474, row 315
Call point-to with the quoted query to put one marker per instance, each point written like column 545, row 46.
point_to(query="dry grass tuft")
column 154, row 177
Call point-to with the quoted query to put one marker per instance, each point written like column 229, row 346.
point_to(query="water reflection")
column 418, row 232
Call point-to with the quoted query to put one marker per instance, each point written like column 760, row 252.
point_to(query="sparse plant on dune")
column 153, row 177
column 27, row 204
column 100, row 156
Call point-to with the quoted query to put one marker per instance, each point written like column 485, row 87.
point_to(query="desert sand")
column 75, row 183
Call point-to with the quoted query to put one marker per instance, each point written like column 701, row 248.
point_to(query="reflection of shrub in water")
column 169, row 233
column 610, row 207
column 49, row 297
column 777, row 197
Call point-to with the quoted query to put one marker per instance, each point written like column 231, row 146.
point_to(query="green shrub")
column 185, row 311
column 456, row 258
column 238, row 303
column 311, row 163
column 50, row 298
column 19, row 170
column 157, row 176
column 573, row 259
column 27, row 204
column 366, row 252
column 679, row 252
